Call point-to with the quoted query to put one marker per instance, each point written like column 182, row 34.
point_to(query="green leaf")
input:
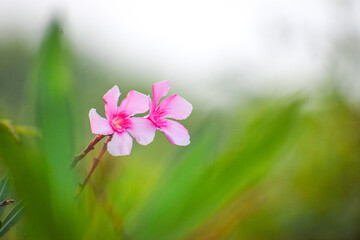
column 12, row 218
column 40, row 167
column 3, row 190
column 51, row 94
column 204, row 179
column 8, row 125
column 51, row 85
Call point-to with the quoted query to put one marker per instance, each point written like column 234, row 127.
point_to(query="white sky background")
column 253, row 44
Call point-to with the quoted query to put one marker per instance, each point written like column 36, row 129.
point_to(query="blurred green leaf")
column 27, row 131
column 40, row 169
column 51, row 88
column 30, row 180
column 9, row 126
column 203, row 179
column 13, row 155
column 3, row 190
column 12, row 218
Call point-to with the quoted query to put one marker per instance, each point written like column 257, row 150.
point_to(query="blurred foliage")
column 272, row 168
column 12, row 216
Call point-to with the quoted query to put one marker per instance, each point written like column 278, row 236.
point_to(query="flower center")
column 117, row 122
column 120, row 122
column 157, row 118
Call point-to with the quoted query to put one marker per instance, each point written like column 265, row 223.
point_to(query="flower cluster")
column 121, row 123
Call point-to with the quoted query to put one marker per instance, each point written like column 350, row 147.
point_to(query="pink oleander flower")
column 174, row 107
column 120, row 121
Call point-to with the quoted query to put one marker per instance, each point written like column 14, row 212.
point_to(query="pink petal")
column 143, row 130
column 111, row 99
column 175, row 132
column 135, row 103
column 99, row 125
column 120, row 144
column 159, row 90
column 175, row 107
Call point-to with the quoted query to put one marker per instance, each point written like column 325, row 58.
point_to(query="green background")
column 268, row 167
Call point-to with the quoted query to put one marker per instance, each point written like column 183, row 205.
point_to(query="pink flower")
column 120, row 122
column 174, row 107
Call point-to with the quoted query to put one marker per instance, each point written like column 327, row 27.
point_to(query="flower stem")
column 90, row 147
column 94, row 165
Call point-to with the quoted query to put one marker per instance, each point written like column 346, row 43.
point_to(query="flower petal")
column 175, row 107
column 159, row 90
column 134, row 103
column 111, row 99
column 175, row 132
column 120, row 144
column 143, row 130
column 99, row 125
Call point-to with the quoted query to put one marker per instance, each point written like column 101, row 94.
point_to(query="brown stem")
column 90, row 147
column 94, row 165
column 6, row 202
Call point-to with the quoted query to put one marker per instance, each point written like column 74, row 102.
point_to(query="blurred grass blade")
column 29, row 174
column 204, row 180
column 3, row 190
column 12, row 218
column 12, row 153
column 51, row 88
column 39, row 164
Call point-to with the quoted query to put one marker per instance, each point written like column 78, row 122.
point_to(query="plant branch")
column 6, row 202
column 90, row 147
column 94, row 165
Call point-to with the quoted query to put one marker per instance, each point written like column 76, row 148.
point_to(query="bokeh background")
column 275, row 130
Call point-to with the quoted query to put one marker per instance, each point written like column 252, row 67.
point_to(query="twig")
column 94, row 165
column 90, row 147
column 6, row 202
